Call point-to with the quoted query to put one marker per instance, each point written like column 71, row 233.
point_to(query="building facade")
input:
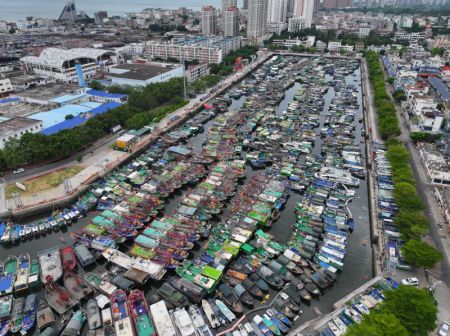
column 276, row 11
column 197, row 71
column 209, row 21
column 100, row 16
column 296, row 24
column 5, row 87
column 257, row 18
column 231, row 21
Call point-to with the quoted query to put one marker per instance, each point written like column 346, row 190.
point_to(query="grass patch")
column 44, row 182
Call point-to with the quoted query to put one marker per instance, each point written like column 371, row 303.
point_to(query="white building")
column 209, row 21
column 308, row 9
column 5, row 87
column 305, row 42
column 60, row 63
column 14, row 128
column 231, row 21
column 276, row 11
column 197, row 71
column 257, row 18
column 143, row 74
column 228, row 3
column 296, row 24
column 363, row 32
column 204, row 50
column 304, row 9
column 3, row 26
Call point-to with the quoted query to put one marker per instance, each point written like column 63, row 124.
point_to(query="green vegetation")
column 387, row 119
column 399, row 96
column 151, row 102
column 44, row 182
column 410, row 218
column 226, row 67
column 421, row 254
column 424, row 137
column 205, row 82
column 407, row 310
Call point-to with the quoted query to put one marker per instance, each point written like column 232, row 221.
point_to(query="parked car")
column 18, row 171
column 443, row 331
column 410, row 282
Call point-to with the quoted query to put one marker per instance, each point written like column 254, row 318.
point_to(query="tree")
column 406, row 198
column 415, row 308
column 378, row 324
column 421, row 254
column 69, row 116
column 196, row 22
column 96, row 85
column 412, row 224
column 12, row 31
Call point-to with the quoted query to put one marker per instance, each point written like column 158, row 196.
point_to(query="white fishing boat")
column 161, row 319
column 51, row 267
column 210, row 314
column 225, row 310
column 183, row 322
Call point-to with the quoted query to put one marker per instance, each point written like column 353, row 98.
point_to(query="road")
column 440, row 275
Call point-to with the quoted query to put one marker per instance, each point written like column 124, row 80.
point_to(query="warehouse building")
column 60, row 63
column 143, row 74
column 15, row 128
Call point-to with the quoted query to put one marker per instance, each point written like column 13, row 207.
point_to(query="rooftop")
column 48, row 91
column 11, row 126
column 440, row 87
column 19, row 109
column 141, row 71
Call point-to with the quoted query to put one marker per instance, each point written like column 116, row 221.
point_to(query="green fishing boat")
column 10, row 265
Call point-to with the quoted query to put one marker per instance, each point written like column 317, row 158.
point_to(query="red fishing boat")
column 58, row 298
column 140, row 314
column 68, row 258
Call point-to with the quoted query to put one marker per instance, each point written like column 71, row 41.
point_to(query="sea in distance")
column 20, row 9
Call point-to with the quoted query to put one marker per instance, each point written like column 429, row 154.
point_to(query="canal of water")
column 358, row 260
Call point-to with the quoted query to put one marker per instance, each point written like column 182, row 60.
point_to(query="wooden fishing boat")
column 121, row 314
column 23, row 271
column 58, row 298
column 76, row 285
column 93, row 315
column 29, row 313
column 17, row 315
column 34, row 276
column 140, row 313
column 68, row 258
column 45, row 316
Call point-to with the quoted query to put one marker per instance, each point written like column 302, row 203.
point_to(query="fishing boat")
column 272, row 326
column 243, row 295
column 210, row 314
column 17, row 315
column 75, row 324
column 230, row 298
column 10, row 266
column 193, row 292
column 93, row 315
column 29, row 313
column 68, row 258
column 199, row 321
column 275, row 320
column 45, row 316
column 51, row 267
column 99, row 284
column 270, row 277
column 5, row 306
column 76, row 285
column 260, row 325
column 58, row 298
column 5, row 327
column 121, row 314
column 23, row 267
column 225, row 310
column 140, row 313
column 170, row 294
column 33, row 277
column 183, row 322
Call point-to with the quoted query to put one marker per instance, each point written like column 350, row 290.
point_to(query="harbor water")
column 358, row 259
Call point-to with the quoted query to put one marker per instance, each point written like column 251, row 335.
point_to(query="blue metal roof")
column 53, row 117
column 104, row 94
column 8, row 100
column 67, row 98
column 82, row 118
column 440, row 87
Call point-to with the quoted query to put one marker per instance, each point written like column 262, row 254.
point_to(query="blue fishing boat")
column 29, row 313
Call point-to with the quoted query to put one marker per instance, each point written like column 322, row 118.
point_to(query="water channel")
column 358, row 260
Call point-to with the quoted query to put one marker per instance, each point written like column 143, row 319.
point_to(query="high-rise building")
column 230, row 20
column 257, row 18
column 304, row 9
column 100, row 16
column 69, row 12
column 245, row 4
column 276, row 11
column 228, row 3
column 209, row 21
column 308, row 9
